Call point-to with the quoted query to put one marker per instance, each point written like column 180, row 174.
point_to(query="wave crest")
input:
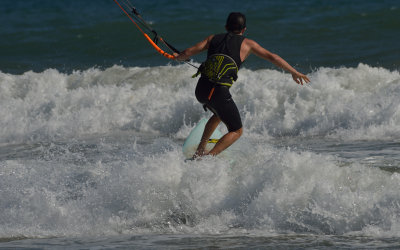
column 361, row 102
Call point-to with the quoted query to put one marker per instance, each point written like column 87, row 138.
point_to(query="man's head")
column 236, row 22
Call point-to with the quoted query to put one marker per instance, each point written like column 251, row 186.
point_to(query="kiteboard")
column 193, row 140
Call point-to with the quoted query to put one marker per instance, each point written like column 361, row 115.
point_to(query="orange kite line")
column 159, row 50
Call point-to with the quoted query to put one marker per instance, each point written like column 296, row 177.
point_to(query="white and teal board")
column 192, row 141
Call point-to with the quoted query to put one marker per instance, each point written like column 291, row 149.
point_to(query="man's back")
column 228, row 44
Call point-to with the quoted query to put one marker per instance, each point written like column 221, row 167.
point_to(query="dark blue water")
column 76, row 35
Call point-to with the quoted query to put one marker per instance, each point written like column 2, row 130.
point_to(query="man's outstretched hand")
column 299, row 78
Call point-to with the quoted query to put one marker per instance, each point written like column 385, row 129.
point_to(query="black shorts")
column 221, row 103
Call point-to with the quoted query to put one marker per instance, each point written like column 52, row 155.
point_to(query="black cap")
column 236, row 22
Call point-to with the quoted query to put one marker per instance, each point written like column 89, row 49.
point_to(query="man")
column 226, row 52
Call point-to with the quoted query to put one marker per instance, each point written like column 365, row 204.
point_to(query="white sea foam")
column 265, row 190
column 356, row 103
column 345, row 103
column 58, row 177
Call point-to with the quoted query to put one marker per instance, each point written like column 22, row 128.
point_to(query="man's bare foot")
column 198, row 155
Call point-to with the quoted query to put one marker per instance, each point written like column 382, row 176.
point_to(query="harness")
column 219, row 69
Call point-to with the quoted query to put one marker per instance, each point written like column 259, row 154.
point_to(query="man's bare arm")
column 256, row 49
column 199, row 47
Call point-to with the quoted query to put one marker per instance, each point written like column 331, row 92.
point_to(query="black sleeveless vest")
column 223, row 59
column 228, row 44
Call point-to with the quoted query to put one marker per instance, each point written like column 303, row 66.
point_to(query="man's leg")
column 226, row 141
column 211, row 125
column 229, row 114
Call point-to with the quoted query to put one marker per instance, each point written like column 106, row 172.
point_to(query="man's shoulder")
column 249, row 42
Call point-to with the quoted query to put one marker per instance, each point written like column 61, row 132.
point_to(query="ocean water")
column 93, row 121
